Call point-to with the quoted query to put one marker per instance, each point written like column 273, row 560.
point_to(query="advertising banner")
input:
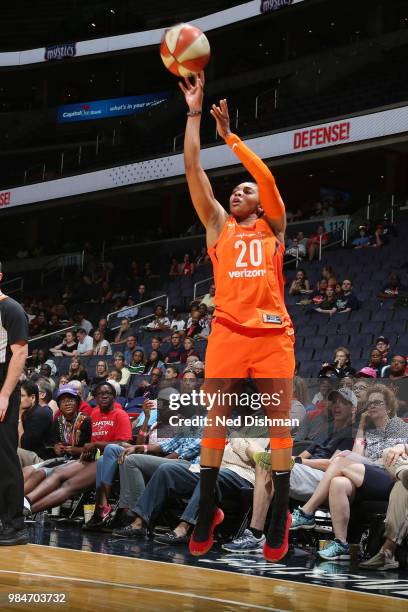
column 279, row 144
column 102, row 109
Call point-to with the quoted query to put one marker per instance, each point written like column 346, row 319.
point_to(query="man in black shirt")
column 35, row 423
column 13, row 355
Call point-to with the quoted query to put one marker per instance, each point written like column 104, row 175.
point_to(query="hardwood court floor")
column 97, row 581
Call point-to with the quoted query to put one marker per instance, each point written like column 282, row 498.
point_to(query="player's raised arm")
column 210, row 211
column 269, row 195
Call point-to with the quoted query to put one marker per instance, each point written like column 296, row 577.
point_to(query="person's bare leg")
column 33, row 480
column 27, row 471
column 340, row 495
column 322, row 492
column 54, row 481
column 83, row 480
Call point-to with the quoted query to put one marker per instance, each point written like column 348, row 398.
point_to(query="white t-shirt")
column 178, row 325
column 86, row 345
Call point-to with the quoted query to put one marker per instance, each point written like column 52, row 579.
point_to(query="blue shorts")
column 377, row 484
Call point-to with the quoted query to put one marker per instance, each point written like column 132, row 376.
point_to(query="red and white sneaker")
column 276, row 553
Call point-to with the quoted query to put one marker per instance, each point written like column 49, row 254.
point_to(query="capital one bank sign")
column 274, row 5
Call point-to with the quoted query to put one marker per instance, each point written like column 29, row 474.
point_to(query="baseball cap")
column 367, row 373
column 67, row 390
column 346, row 394
column 382, row 339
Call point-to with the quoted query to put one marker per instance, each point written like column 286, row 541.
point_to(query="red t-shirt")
column 110, row 426
column 85, row 408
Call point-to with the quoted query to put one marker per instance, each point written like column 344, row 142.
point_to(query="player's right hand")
column 3, row 407
column 194, row 93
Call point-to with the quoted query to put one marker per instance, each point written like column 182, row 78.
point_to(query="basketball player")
column 13, row 355
column 252, row 334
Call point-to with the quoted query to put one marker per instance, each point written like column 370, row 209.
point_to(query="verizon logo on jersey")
column 246, row 273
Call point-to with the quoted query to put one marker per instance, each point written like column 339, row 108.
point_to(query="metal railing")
column 201, row 282
column 139, row 306
column 20, row 285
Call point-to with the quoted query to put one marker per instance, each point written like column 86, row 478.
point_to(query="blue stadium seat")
column 372, row 327
column 382, row 315
column 360, row 315
column 316, row 342
column 398, row 327
column 337, row 340
column 304, row 354
column 349, row 327
column 309, row 369
column 362, row 340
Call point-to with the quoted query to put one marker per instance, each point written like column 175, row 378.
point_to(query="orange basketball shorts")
column 237, row 352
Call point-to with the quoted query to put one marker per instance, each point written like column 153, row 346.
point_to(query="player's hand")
column 193, row 92
column 3, row 407
column 221, row 116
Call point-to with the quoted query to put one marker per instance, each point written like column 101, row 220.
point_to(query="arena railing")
column 61, row 262
column 19, row 280
column 198, row 283
column 139, row 306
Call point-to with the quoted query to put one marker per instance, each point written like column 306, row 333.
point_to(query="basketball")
column 184, row 49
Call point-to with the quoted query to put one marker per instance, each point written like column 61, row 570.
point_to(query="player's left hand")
column 221, row 116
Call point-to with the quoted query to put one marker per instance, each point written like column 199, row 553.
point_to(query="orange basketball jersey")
column 248, row 272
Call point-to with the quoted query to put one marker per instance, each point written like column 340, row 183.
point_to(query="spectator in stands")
column 379, row 429
column 77, row 371
column 137, row 364
column 299, row 400
column 67, row 346
column 202, row 259
column 319, row 295
column 119, row 362
column 328, row 274
column 341, row 365
column 181, row 479
column 101, row 346
column 313, row 244
column 84, row 407
column 176, row 349
column 101, row 373
column 45, row 359
column 361, row 388
column 141, row 294
column 300, row 283
column 156, row 343
column 391, row 289
column 45, row 391
column 187, row 266
column 293, row 216
column 130, row 347
column 366, row 372
column 382, row 344
column 154, row 361
column 318, row 212
column 129, row 310
column 34, row 425
column 328, row 304
column 322, row 395
column 396, row 463
column 397, row 368
column 69, row 432
column 38, row 326
column 103, row 326
column 115, row 375
column 379, row 239
column 123, row 332
column 63, row 380
column 363, row 239
column 171, row 373
column 195, row 327
column 376, row 361
column 160, row 321
column 54, row 324
column 307, row 470
column 85, row 344
column 346, row 301
column 295, row 250
column 174, row 267
column 198, row 369
column 208, row 298
column 109, row 425
column 188, row 350
column 81, row 322
column 178, row 324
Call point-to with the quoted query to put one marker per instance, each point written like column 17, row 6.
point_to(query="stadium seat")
column 337, row 340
